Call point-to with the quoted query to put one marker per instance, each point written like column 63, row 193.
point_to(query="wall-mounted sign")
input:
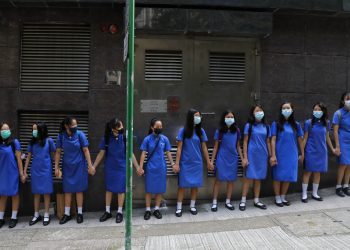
column 154, row 106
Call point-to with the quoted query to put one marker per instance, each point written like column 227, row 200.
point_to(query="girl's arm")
column 134, row 162
column 215, row 151
column 20, row 166
column 170, row 158
column 176, row 167
column 87, row 156
column 268, row 143
column 245, row 160
column 336, row 139
column 273, row 159
column 240, row 153
column 330, row 144
column 301, row 148
column 26, row 165
column 99, row 158
column 57, row 162
column 206, row 156
column 140, row 170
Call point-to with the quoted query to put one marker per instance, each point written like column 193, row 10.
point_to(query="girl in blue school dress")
column 155, row 144
column 316, row 138
column 341, row 127
column 113, row 149
column 191, row 144
column 287, row 135
column 226, row 150
column 75, row 163
column 40, row 149
column 11, row 171
column 256, row 149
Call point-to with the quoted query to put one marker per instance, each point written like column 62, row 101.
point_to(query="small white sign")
column 154, row 106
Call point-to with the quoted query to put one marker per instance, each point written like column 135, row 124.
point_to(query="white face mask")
column 259, row 115
column 197, row 120
column 229, row 121
column 347, row 103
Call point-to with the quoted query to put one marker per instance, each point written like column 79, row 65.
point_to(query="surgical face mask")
column 259, row 115
column 287, row 112
column 197, row 120
column 5, row 134
column 347, row 103
column 158, row 131
column 229, row 121
column 35, row 133
column 318, row 114
column 73, row 129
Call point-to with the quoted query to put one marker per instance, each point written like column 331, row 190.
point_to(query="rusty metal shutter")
column 52, row 120
column 161, row 65
column 55, row 57
column 227, row 67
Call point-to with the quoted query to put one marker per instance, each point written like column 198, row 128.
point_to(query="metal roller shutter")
column 55, row 57
column 52, row 120
column 227, row 67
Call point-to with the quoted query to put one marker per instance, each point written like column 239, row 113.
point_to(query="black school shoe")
column 178, row 212
column 157, row 214
column 317, row 198
column 13, row 223
column 193, row 210
column 279, row 204
column 80, row 218
column 33, row 222
column 65, row 219
column 119, row 218
column 242, row 206
column 214, row 207
column 147, row 215
column 339, row 192
column 105, row 216
column 2, row 222
column 304, row 200
column 346, row 191
column 45, row 223
column 229, row 206
column 260, row 205
column 286, row 203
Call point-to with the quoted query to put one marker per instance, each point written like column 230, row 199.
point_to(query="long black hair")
column 189, row 125
column 66, row 121
column 341, row 103
column 251, row 118
column 9, row 140
column 282, row 120
column 324, row 117
column 114, row 123
column 223, row 126
column 42, row 134
column 153, row 121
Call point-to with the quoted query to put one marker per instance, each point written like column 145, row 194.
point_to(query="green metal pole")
column 129, row 122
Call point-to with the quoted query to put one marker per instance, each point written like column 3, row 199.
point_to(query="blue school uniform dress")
column 191, row 161
column 227, row 156
column 74, row 166
column 115, row 163
column 41, row 167
column 342, row 118
column 258, row 153
column 316, row 154
column 9, row 174
column 286, row 169
column 155, row 169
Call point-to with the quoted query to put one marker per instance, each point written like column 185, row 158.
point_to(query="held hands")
column 301, row 159
column 23, row 177
column 273, row 161
column 245, row 162
column 58, row 173
column 336, row 151
column 140, row 171
column 176, row 168
column 92, row 170
column 210, row 166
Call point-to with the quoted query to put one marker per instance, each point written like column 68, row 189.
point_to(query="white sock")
column 345, row 185
column 314, row 190
column 46, row 217
column 156, row 208
column 108, row 209
column 283, row 198
column 36, row 214
column 120, row 210
column 278, row 199
column 179, row 206
column 80, row 210
column 228, row 201
column 338, row 186
column 244, row 199
column 2, row 215
column 193, row 203
column 304, row 194
column 148, row 208
column 215, row 201
column 14, row 215
column 67, row 211
column 256, row 200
